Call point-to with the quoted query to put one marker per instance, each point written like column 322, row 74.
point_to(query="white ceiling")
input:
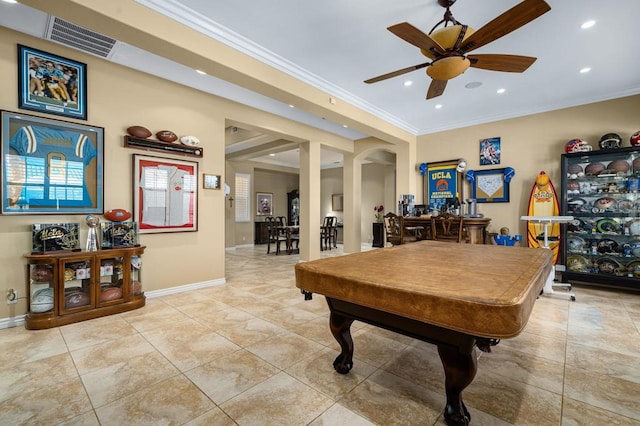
column 336, row 44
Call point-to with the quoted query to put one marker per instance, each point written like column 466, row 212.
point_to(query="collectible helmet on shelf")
column 610, row 141
column 577, row 145
column 634, row 140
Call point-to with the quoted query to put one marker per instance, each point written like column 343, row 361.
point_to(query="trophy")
column 92, row 236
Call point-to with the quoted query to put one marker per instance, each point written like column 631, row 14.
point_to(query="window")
column 243, row 206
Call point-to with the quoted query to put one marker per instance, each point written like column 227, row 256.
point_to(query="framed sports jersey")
column 50, row 166
column 51, row 84
column 165, row 194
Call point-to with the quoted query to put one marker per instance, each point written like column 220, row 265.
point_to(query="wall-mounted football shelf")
column 153, row 145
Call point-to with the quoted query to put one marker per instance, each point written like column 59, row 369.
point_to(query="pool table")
column 456, row 296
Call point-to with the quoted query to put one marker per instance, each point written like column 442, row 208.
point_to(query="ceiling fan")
column 448, row 47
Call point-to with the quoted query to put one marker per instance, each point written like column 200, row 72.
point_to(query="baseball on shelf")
column 189, row 140
column 166, row 136
column 139, row 132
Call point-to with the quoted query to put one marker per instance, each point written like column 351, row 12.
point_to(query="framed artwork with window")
column 50, row 166
column 165, row 194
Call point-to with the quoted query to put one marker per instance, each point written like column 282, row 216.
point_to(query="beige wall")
column 117, row 98
column 531, row 144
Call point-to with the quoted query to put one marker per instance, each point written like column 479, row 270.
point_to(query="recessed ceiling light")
column 291, row 106
column 201, row 72
column 345, row 126
column 585, row 70
column 11, row 1
column 588, row 24
column 473, row 84
column 438, row 106
column 501, row 91
column 408, row 83
column 272, row 155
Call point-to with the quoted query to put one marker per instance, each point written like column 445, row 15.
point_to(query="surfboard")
column 543, row 201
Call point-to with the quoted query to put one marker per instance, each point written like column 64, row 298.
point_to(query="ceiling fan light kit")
column 448, row 47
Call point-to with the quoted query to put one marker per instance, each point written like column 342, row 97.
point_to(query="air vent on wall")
column 74, row 36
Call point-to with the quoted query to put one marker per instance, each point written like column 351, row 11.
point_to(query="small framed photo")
column 211, row 181
column 264, row 204
column 490, row 151
column 51, row 84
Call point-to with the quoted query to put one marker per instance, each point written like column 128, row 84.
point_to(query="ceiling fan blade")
column 412, row 35
column 436, row 88
column 505, row 63
column 509, row 21
column 397, row 73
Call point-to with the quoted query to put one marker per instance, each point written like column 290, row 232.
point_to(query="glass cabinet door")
column 41, row 288
column 77, row 293
column 136, row 279
column 112, row 276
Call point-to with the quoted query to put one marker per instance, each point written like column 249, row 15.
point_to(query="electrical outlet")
column 12, row 296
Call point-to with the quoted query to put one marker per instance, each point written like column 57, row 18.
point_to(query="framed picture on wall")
column 264, row 204
column 51, row 84
column 165, row 194
column 442, row 183
column 490, row 186
column 211, row 181
column 50, row 166
column 489, row 151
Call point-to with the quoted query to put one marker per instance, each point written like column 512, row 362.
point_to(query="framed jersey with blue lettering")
column 50, row 166
column 51, row 84
column 442, row 184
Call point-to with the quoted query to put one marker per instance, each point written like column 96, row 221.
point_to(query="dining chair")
column 282, row 234
column 447, row 227
column 328, row 233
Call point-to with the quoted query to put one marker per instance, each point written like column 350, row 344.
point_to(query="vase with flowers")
column 379, row 213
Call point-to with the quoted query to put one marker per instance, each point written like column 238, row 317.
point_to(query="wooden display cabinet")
column 68, row 287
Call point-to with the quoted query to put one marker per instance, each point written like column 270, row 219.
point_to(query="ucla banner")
column 442, row 183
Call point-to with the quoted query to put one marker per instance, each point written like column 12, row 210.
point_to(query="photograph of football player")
column 51, row 83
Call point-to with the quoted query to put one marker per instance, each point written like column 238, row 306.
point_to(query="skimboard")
column 543, row 201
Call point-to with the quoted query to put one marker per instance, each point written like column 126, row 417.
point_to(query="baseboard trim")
column 183, row 288
column 19, row 320
column 11, row 322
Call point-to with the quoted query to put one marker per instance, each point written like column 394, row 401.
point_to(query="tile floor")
column 253, row 352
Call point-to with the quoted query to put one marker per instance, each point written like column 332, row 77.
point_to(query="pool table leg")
column 341, row 330
column 460, row 370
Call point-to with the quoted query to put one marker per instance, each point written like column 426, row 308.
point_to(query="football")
column 634, row 140
column 139, row 132
column 117, row 215
column 594, row 169
column 42, row 301
column 110, row 293
column 189, row 140
column 136, row 287
column 619, row 166
column 166, row 136
column 42, row 273
column 76, row 299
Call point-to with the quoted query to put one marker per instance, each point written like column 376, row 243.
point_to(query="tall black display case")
column 601, row 190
